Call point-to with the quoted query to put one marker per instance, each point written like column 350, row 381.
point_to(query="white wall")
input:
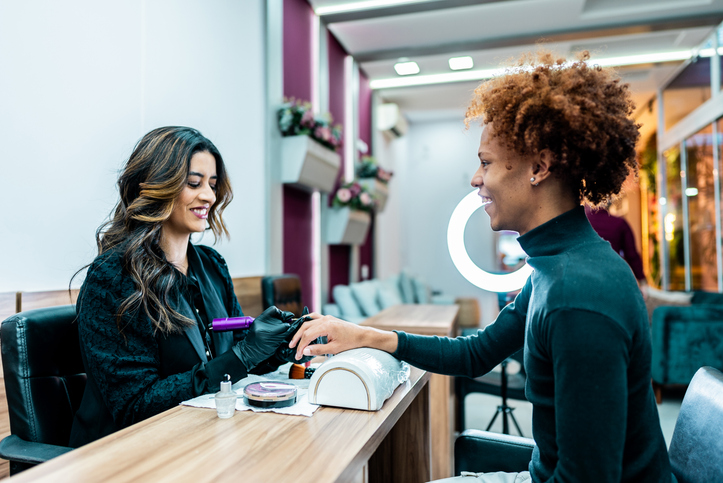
column 433, row 165
column 81, row 81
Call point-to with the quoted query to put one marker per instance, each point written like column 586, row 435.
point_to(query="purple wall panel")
column 339, row 260
column 298, row 24
column 297, row 239
column 339, row 255
column 366, row 251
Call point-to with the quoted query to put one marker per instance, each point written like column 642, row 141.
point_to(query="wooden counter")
column 192, row 444
column 430, row 320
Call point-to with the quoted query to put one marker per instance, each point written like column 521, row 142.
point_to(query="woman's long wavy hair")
column 151, row 181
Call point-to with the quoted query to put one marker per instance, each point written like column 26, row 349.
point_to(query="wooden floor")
column 4, row 427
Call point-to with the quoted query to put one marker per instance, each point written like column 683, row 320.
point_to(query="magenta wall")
column 339, row 255
column 366, row 251
column 298, row 24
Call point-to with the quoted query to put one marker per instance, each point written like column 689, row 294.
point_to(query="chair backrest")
column 696, row 449
column 44, row 374
column 283, row 291
column 248, row 293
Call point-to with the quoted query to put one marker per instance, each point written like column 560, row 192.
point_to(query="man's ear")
column 541, row 165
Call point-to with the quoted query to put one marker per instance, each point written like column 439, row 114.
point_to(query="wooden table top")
column 420, row 319
column 193, row 444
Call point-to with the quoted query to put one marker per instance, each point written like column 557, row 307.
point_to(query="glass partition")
column 700, row 195
column 672, row 212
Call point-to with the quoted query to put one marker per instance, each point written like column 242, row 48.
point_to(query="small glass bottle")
column 226, row 399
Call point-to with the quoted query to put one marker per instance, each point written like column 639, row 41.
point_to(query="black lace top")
column 140, row 373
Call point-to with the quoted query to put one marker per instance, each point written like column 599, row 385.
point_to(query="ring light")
column 492, row 282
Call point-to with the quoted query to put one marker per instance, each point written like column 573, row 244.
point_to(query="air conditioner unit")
column 391, row 121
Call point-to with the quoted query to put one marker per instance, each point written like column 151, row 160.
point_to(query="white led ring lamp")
column 492, row 282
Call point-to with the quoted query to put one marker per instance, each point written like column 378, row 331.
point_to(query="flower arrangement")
column 368, row 168
column 354, row 196
column 297, row 119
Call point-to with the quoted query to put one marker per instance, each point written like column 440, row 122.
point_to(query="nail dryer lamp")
column 357, row 379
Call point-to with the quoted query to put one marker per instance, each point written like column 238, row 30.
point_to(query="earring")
column 532, row 180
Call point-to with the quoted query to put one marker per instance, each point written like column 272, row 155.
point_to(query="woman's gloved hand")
column 264, row 337
column 285, row 353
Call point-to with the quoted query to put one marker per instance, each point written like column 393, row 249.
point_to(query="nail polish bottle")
column 226, row 399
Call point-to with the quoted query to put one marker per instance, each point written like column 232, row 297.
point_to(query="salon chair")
column 44, row 384
column 283, row 291
column 696, row 449
column 502, row 384
column 685, row 338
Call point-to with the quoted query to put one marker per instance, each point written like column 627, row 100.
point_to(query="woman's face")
column 503, row 179
column 190, row 210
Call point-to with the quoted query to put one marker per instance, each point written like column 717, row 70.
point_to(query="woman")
column 555, row 135
column 149, row 296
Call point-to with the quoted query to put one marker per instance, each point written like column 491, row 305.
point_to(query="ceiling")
column 494, row 31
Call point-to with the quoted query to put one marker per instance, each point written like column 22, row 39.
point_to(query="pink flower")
column 343, row 195
column 307, row 119
column 365, row 199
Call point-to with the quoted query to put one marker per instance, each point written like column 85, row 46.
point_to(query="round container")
column 270, row 394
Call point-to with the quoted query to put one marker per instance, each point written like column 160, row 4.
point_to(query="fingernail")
column 307, row 351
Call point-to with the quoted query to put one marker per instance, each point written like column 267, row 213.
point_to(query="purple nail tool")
column 232, row 323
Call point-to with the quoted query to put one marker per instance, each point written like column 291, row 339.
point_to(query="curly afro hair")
column 580, row 113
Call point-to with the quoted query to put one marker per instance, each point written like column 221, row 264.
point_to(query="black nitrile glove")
column 284, row 352
column 264, row 337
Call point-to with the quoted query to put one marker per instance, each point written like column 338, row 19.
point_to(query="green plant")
column 369, row 168
column 297, row 119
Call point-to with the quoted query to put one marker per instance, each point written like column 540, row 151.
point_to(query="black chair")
column 502, row 384
column 283, row 291
column 696, row 449
column 44, row 383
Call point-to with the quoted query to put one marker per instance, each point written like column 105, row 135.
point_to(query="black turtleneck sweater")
column 583, row 325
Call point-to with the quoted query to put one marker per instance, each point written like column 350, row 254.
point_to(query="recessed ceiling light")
column 406, row 68
column 481, row 74
column 356, row 6
column 461, row 63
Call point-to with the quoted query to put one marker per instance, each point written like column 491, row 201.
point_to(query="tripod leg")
column 515, row 421
column 505, row 422
column 497, row 413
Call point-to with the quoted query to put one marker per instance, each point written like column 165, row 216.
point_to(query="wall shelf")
column 377, row 189
column 345, row 226
column 307, row 164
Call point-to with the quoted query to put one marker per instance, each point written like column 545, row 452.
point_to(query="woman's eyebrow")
column 194, row 173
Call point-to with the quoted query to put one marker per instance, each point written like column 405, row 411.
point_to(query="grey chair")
column 696, row 450
column 283, row 291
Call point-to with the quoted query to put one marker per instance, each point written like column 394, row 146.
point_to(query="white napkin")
column 302, row 407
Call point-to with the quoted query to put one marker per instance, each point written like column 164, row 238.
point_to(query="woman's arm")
column 125, row 367
column 471, row 356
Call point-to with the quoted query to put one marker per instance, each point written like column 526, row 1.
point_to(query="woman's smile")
column 201, row 212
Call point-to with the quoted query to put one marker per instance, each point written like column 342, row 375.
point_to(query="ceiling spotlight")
column 461, row 63
column 355, row 6
column 406, row 68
